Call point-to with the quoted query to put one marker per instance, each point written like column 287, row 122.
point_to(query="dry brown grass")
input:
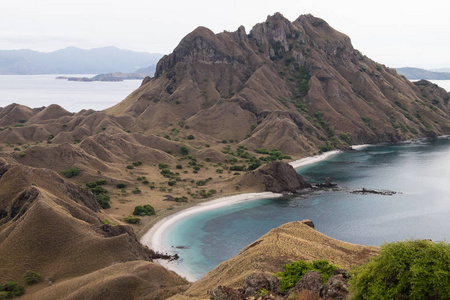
column 290, row 242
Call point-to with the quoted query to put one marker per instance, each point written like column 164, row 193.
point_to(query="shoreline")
column 153, row 238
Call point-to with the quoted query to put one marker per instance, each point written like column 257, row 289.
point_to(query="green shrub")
column 71, row 172
column 136, row 191
column 10, row 290
column 294, row 271
column 98, row 190
column 101, row 182
column 132, row 220
column 144, row 210
column 184, row 150
column 121, row 185
column 130, row 167
column 414, row 269
column 190, row 137
column 32, row 277
column 137, row 163
column 103, row 201
column 91, row 184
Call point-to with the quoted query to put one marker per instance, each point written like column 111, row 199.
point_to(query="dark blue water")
column 419, row 172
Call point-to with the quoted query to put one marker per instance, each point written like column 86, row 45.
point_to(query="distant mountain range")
column 416, row 73
column 73, row 60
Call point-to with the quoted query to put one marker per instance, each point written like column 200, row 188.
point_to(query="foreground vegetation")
column 416, row 269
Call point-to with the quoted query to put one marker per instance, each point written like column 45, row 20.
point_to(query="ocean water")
column 418, row 172
column 43, row 90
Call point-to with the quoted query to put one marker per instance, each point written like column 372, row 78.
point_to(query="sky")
column 397, row 33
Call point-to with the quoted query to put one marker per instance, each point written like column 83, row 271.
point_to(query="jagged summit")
column 295, row 85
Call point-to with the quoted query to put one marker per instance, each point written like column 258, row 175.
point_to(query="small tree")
column 414, row 269
column 31, row 277
column 71, row 172
column 184, row 150
column 144, row 210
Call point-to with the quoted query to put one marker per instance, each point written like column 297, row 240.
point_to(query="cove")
column 419, row 172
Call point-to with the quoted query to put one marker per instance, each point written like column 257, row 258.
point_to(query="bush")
column 121, row 185
column 103, row 201
column 144, row 210
column 414, row 269
column 136, row 191
column 32, row 277
column 132, row 220
column 101, row 182
column 293, row 272
column 91, row 184
column 130, row 167
column 137, row 163
column 98, row 190
column 184, row 150
column 10, row 290
column 71, row 172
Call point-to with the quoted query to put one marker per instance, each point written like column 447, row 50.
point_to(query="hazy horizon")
column 396, row 34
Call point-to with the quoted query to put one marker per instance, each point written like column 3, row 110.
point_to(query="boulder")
column 311, row 281
column 226, row 293
column 335, row 288
column 256, row 282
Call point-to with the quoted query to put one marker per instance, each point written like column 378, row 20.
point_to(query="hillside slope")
column 283, row 245
column 297, row 86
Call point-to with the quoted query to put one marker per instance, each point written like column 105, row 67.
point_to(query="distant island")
column 72, row 60
column 416, row 73
column 117, row 76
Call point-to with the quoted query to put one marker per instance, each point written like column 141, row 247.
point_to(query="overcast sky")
column 395, row 33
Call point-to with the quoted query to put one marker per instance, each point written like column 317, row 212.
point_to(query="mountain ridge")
column 219, row 107
column 417, row 73
column 303, row 77
column 73, row 60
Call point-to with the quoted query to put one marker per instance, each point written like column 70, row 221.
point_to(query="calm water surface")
column 419, row 172
column 43, row 90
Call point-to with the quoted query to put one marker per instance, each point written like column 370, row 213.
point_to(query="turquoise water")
column 419, row 172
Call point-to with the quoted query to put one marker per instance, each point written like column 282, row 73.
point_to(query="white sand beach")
column 154, row 237
column 312, row 159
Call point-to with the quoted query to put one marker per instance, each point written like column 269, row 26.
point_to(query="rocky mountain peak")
column 299, row 86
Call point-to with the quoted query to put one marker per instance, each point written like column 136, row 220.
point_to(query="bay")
column 43, row 90
column 419, row 172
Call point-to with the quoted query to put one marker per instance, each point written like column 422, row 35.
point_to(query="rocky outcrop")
column 252, row 268
column 266, row 286
column 276, row 177
column 311, row 281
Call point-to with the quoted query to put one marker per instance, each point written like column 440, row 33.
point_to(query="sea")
column 418, row 173
column 43, row 90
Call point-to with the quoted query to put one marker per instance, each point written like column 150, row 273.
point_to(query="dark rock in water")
column 226, row 293
column 257, row 282
column 335, row 288
column 311, row 281
column 327, row 183
column 365, row 191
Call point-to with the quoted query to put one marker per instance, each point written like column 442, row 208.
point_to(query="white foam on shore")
column 154, row 237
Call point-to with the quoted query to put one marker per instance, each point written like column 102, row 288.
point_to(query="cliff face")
column 295, row 85
column 275, row 177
